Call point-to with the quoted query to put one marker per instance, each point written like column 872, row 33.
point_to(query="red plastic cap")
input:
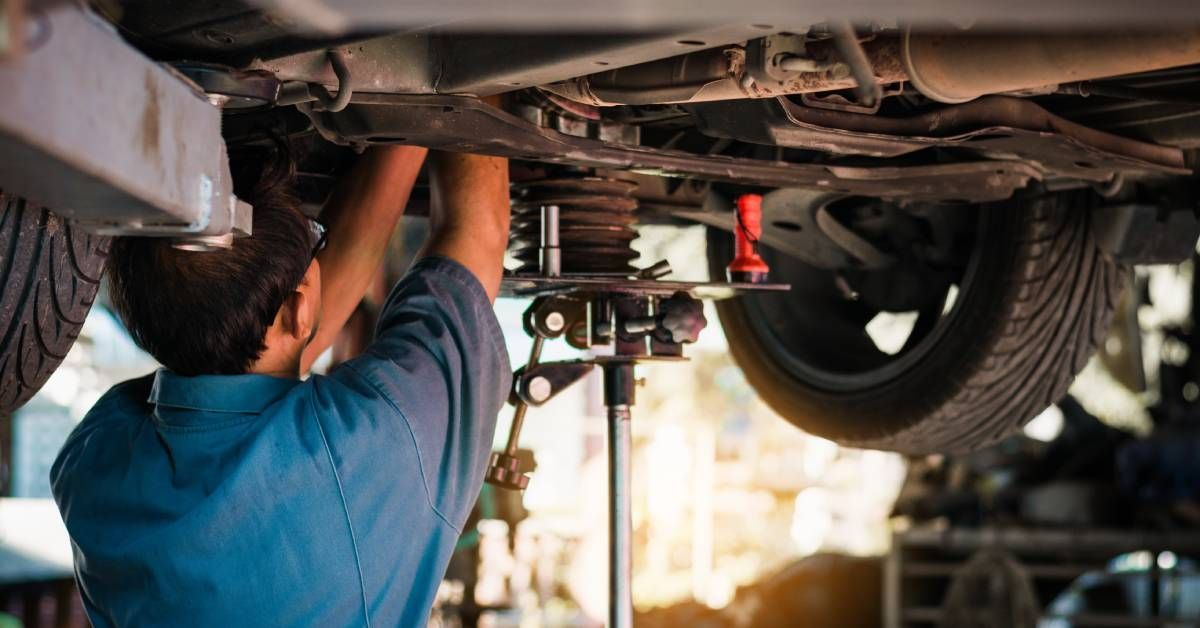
column 749, row 208
column 747, row 265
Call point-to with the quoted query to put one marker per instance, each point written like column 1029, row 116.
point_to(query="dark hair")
column 203, row 313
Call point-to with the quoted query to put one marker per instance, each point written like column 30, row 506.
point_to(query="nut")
column 538, row 389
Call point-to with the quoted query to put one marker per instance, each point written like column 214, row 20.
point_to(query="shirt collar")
column 247, row 394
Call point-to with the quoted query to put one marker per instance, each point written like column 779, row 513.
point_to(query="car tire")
column 1041, row 299
column 51, row 270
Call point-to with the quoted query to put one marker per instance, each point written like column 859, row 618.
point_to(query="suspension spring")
column 596, row 217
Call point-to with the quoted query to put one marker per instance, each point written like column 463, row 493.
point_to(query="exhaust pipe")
column 955, row 68
column 946, row 67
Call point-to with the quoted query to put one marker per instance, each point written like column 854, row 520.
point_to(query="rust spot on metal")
column 887, row 59
column 809, row 82
column 151, row 118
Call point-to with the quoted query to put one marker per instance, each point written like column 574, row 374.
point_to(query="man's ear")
column 305, row 304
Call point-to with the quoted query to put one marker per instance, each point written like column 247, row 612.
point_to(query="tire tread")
column 51, row 272
column 1055, row 309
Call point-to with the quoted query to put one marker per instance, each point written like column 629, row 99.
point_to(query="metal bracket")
column 518, row 286
column 773, row 59
column 538, row 383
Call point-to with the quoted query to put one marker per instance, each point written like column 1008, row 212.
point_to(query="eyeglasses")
column 319, row 236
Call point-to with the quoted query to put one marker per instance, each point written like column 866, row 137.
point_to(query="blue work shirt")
column 250, row 500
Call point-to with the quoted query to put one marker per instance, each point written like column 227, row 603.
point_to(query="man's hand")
column 360, row 218
column 469, row 214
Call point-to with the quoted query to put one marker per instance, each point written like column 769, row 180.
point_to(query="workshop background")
column 741, row 519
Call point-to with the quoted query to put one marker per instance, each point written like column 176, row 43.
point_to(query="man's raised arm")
column 360, row 217
column 437, row 372
column 470, row 213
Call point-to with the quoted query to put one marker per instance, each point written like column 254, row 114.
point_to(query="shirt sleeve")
column 439, row 360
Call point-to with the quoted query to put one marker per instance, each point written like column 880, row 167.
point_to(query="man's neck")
column 276, row 365
column 282, row 373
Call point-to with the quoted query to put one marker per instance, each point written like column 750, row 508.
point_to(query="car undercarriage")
column 987, row 181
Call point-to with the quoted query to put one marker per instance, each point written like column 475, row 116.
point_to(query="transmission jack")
column 573, row 237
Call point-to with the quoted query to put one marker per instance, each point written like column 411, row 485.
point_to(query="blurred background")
column 740, row 519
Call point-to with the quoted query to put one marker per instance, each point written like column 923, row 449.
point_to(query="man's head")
column 252, row 308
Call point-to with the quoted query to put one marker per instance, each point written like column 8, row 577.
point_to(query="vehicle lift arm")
column 97, row 132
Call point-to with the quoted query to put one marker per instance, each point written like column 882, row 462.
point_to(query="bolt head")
column 539, row 389
column 555, row 321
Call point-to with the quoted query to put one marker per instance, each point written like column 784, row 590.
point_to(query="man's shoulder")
column 122, row 402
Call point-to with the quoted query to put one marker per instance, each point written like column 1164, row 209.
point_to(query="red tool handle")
column 747, row 265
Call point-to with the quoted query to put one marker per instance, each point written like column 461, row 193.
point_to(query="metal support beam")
column 99, row 133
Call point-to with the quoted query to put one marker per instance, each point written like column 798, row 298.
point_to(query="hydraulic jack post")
column 618, row 399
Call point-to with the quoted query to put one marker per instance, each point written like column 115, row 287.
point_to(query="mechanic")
column 225, row 489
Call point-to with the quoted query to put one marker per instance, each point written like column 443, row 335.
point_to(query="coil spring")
column 596, row 217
